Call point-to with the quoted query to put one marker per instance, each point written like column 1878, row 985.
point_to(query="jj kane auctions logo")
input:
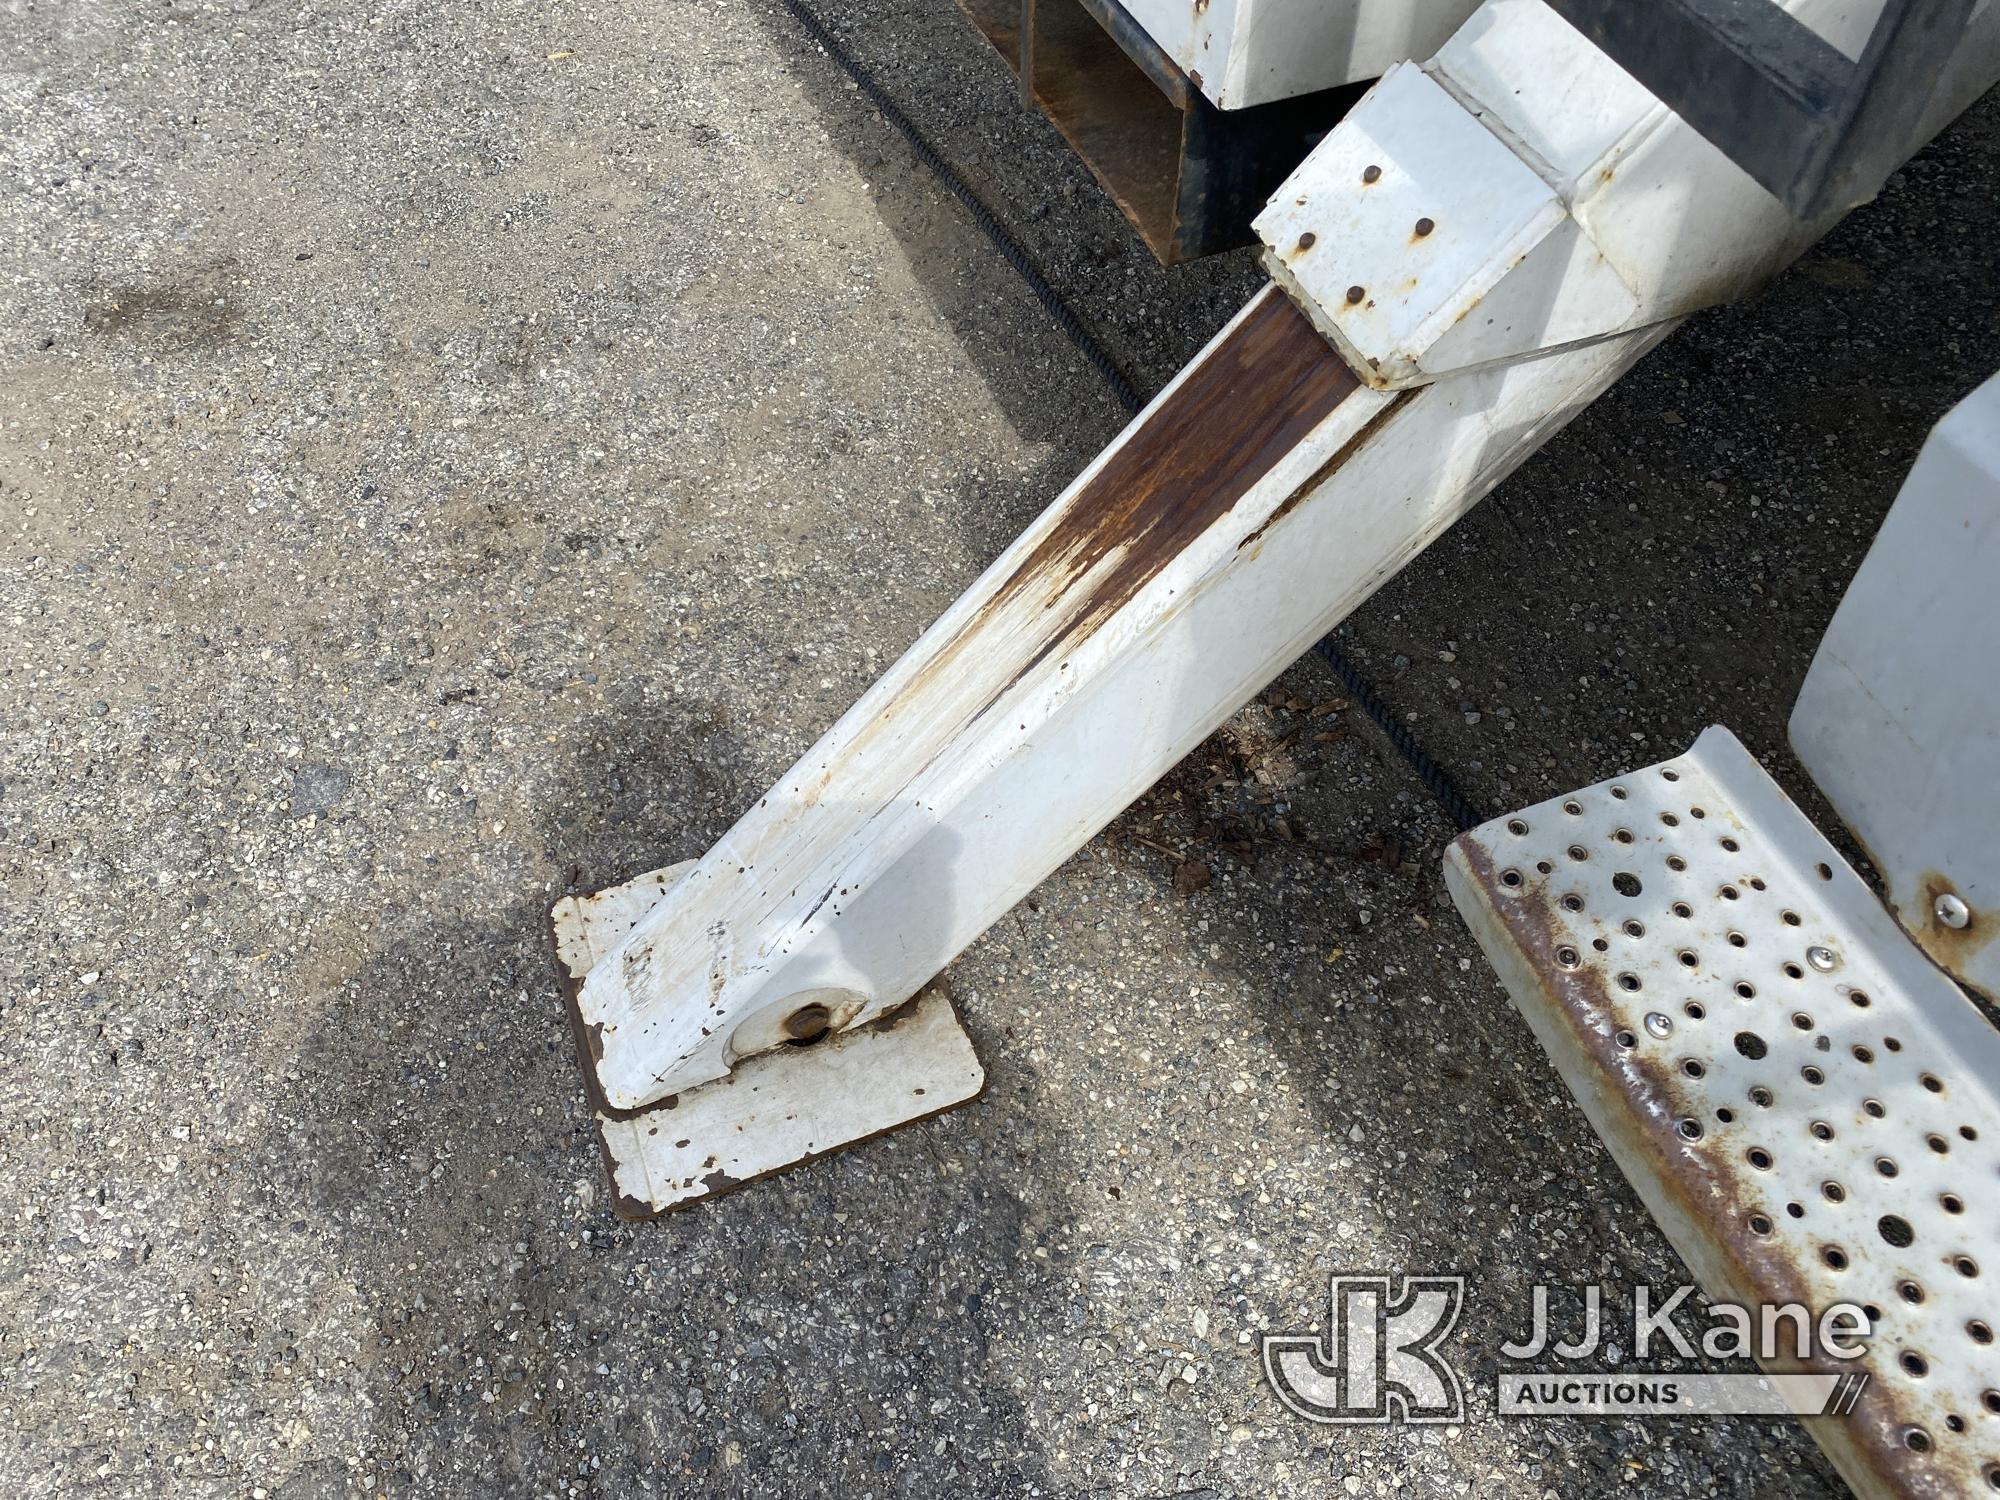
column 1381, row 1359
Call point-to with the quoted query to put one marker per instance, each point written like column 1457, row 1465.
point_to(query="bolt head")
column 1951, row 911
column 1659, row 1025
column 1822, row 958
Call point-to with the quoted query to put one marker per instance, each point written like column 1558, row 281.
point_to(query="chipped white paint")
column 787, row 1108
column 588, row 927
column 781, row 1109
column 1899, row 719
column 1567, row 203
column 1803, row 1101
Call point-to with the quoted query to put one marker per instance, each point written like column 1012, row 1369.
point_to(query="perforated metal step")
column 1805, row 1103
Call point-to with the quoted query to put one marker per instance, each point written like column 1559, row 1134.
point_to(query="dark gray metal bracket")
column 1820, row 132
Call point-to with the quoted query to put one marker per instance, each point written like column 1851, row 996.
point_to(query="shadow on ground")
column 866, row 1295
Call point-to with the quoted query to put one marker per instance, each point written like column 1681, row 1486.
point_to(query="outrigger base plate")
column 779, row 1109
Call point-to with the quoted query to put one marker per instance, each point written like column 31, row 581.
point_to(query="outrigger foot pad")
column 777, row 1110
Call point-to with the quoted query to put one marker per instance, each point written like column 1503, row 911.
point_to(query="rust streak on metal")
column 1250, row 400
column 1233, row 417
column 1230, row 420
column 1586, row 1008
column 1951, row 948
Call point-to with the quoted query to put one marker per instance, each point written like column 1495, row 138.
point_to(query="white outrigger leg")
column 1480, row 249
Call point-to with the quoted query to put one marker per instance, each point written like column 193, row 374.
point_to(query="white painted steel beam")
column 1102, row 646
column 1245, row 52
column 1260, row 498
column 1520, row 192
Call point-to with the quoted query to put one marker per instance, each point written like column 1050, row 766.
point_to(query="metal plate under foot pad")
column 779, row 1109
column 1803, row 1101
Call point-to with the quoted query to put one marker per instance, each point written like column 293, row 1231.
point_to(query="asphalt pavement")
column 452, row 456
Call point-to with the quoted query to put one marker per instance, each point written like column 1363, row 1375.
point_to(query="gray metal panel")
column 1899, row 719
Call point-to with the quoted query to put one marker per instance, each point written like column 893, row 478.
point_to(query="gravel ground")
column 445, row 461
